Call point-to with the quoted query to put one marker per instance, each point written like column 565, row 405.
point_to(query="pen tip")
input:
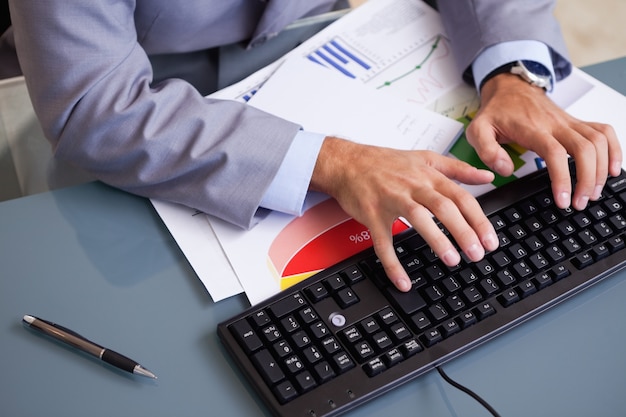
column 140, row 370
column 28, row 319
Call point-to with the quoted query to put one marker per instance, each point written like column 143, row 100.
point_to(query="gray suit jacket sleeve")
column 474, row 25
column 90, row 81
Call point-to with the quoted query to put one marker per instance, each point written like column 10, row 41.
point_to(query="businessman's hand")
column 514, row 111
column 377, row 185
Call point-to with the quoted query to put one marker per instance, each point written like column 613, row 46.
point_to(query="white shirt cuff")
column 506, row 52
column 289, row 187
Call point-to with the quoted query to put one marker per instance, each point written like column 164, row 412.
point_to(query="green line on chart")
column 417, row 67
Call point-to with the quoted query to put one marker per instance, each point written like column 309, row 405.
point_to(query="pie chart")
column 321, row 237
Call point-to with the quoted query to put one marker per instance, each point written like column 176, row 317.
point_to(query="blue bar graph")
column 336, row 55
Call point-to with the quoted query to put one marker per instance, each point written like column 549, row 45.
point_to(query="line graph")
column 416, row 68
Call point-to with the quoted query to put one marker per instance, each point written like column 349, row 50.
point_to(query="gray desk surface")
column 101, row 262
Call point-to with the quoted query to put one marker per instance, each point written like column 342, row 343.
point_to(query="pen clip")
column 65, row 329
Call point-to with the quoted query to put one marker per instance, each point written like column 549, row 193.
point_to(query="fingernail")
column 616, row 166
column 491, row 241
column 500, row 165
column 581, row 202
column 597, row 192
column 451, row 257
column 563, row 200
column 475, row 252
column 403, row 285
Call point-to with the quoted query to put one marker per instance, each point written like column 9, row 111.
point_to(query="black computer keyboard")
column 346, row 335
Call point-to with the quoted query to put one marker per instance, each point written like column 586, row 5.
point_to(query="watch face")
column 534, row 73
column 536, row 68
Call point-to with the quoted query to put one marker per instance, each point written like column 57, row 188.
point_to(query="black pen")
column 74, row 339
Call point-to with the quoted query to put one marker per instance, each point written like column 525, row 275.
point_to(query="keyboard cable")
column 469, row 392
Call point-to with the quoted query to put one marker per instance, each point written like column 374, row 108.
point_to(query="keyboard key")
column 468, row 276
column 533, row 243
column 363, row 350
column 472, row 295
column 334, row 283
column 261, row 318
column 294, row 364
column 600, row 251
column 268, row 367
column 411, row 347
column 247, row 337
column 407, row 302
column 420, row 321
column 616, row 243
column 312, row 354
column 308, row 315
column 587, row 237
column 509, row 297
column 526, row 288
column 352, row 274
column 455, row 303
column 542, row 280
column 467, row 319
column 431, row 337
column 489, row 286
column 369, row 325
column 501, row 259
column 271, row 333
column 388, row 316
column 505, row 278
column 316, row 292
column 616, row 184
column 382, row 341
column 618, row 221
column 290, row 324
column 343, row 362
column 484, row 310
column 393, row 357
column 352, row 334
column 450, row 327
column 412, row 264
column 285, row 392
column 305, row 381
column 438, row 312
column 374, row 367
column 300, row 339
column 559, row 272
column 433, row 293
column 287, row 305
column 400, row 332
column 282, row 348
column 346, row 297
column 583, row 260
column 330, row 345
column 319, row 330
column 324, row 371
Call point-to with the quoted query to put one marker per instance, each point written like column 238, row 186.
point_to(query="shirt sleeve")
column 503, row 53
column 288, row 189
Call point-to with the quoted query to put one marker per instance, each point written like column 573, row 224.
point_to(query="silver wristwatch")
column 530, row 71
column 534, row 73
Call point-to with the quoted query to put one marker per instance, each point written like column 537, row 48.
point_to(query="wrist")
column 325, row 170
column 533, row 73
column 506, row 83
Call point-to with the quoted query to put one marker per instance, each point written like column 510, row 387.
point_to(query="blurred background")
column 594, row 30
